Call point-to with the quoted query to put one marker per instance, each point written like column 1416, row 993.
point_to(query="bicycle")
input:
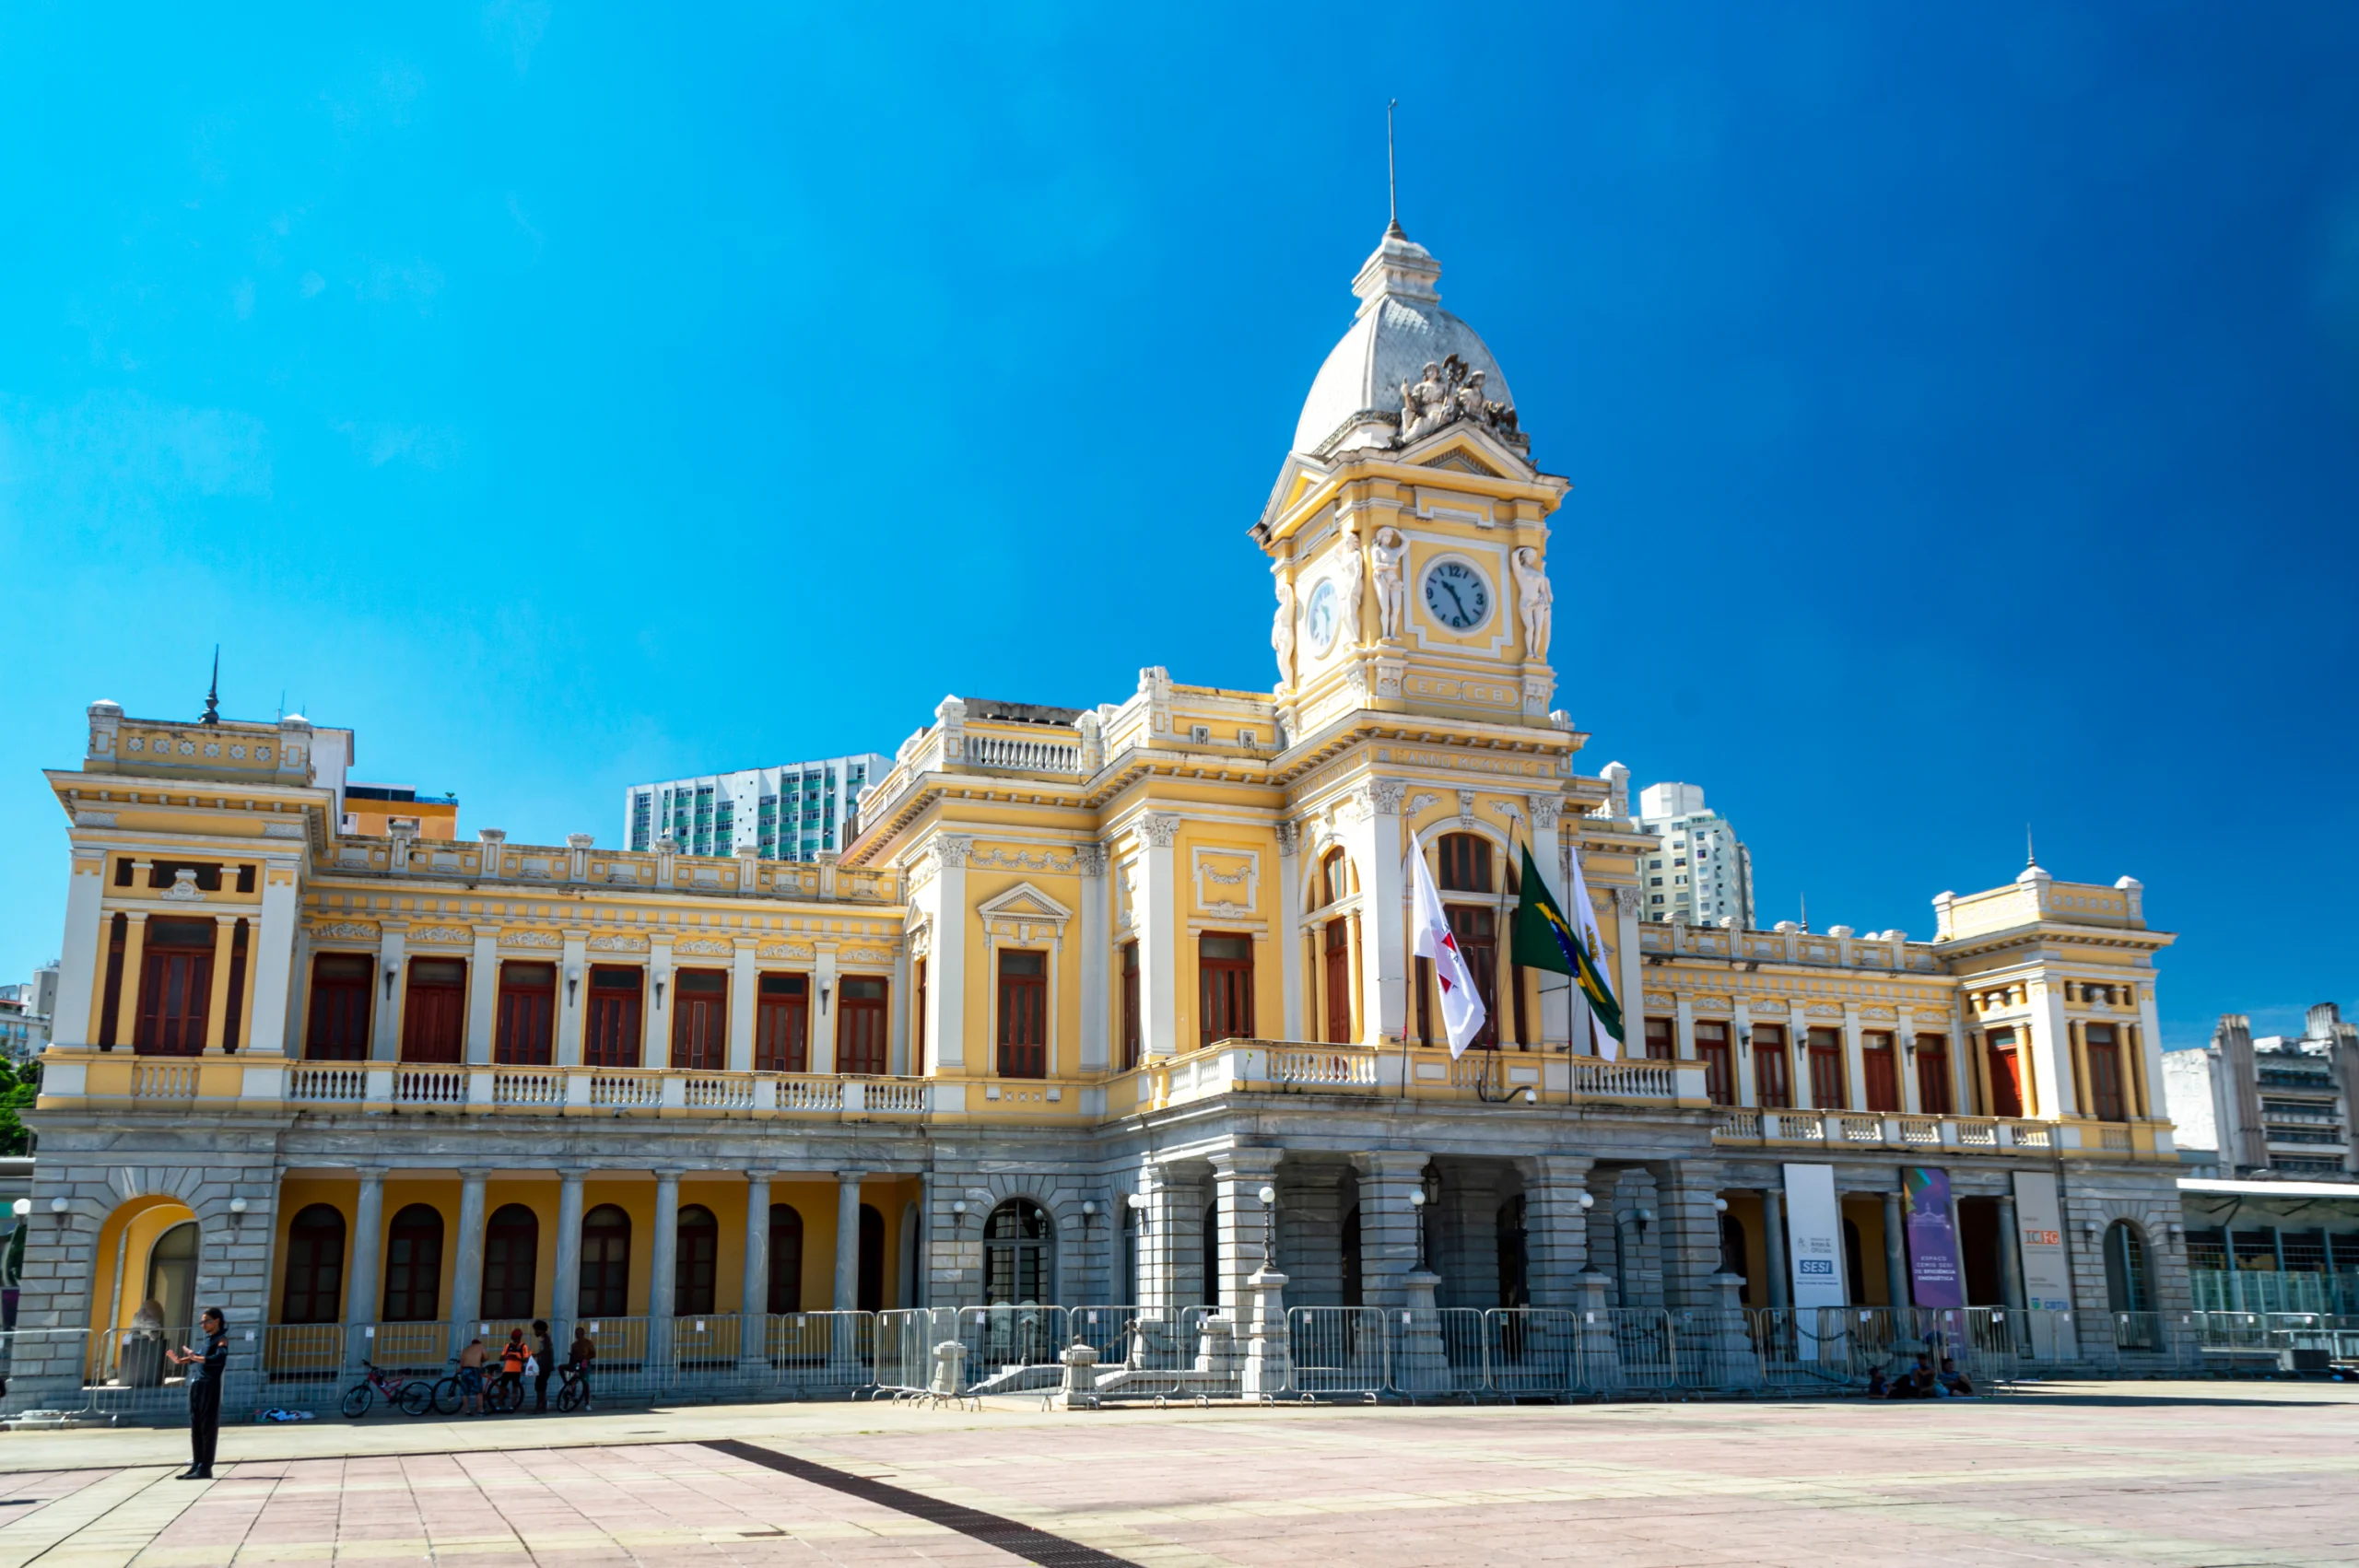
column 574, row 1387
column 448, row 1395
column 412, row 1398
column 504, row 1394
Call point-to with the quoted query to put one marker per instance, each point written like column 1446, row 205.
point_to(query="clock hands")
column 1452, row 589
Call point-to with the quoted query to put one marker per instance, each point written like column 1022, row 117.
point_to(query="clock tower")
column 1408, row 531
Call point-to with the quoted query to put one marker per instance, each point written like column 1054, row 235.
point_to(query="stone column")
column 655, row 1048
column 572, row 997
column 1773, row 1245
column 1269, row 1349
column 565, row 1291
column 847, row 1240
column 270, row 953
column 1741, row 1039
column 1290, row 931
column 1373, row 839
column 2047, row 1047
column 1684, row 1027
column 663, row 1274
column 135, row 947
column 1687, row 1220
column 1238, row 1175
column 2010, row 1256
column 362, row 1305
column 1903, row 1060
column 1895, row 1252
column 483, row 997
column 1155, row 909
column 1556, row 1224
column 1170, row 1240
column 943, row 902
column 1630, row 986
column 82, row 961
column 1097, row 960
column 1855, row 1059
column 744, row 984
column 385, row 1040
column 217, row 1004
column 754, row 1298
column 824, row 1003
column 466, row 1269
column 1389, row 1226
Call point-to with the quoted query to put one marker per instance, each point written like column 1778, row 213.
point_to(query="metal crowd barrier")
column 1162, row 1352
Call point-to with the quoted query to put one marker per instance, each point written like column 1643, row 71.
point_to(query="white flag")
column 1462, row 1004
column 1583, row 914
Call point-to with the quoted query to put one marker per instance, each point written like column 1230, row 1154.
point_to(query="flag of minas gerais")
column 1544, row 938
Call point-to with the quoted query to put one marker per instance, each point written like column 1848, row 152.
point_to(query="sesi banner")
column 1933, row 1277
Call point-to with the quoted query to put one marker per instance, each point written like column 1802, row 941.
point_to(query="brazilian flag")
column 1545, row 939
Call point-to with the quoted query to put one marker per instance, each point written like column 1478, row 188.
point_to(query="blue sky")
column 1962, row 407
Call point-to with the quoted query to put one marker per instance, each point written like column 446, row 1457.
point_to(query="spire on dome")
column 1399, row 267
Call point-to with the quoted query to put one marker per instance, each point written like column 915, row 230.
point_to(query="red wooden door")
column 701, row 1019
column 1883, row 1074
column 175, row 988
column 434, row 1022
column 1337, row 953
column 1023, row 1015
column 782, row 1024
column 859, row 1026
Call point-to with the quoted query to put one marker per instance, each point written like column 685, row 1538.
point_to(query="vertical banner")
column 1814, row 1235
column 2048, row 1278
column 1933, row 1276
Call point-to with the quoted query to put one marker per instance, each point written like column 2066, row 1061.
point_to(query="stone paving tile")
column 2039, row 1483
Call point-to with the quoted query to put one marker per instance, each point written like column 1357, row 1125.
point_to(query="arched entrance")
column 149, row 1244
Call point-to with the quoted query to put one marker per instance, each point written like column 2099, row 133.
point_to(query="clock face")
column 1458, row 595
column 1319, row 620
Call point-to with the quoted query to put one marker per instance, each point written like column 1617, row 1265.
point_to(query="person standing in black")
column 204, row 1370
column 543, row 1362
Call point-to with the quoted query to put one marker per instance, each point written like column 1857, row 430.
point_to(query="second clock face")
column 1319, row 616
column 1457, row 595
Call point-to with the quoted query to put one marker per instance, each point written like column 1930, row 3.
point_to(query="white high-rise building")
column 788, row 813
column 1700, row 871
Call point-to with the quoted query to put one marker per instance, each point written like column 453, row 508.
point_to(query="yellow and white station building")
column 1082, row 985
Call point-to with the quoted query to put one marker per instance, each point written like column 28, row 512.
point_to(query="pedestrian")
column 543, row 1362
column 513, row 1357
column 470, row 1361
column 584, row 1352
column 204, row 1371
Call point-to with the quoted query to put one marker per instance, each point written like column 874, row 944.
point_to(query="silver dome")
column 1400, row 329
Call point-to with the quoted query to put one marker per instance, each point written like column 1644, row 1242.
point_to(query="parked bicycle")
column 411, row 1397
column 448, row 1395
column 573, row 1389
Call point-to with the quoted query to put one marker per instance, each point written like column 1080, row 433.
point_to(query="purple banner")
column 1934, row 1278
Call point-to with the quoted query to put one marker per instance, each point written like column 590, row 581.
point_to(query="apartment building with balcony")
column 795, row 811
column 1085, row 982
column 2273, row 1105
column 1699, row 873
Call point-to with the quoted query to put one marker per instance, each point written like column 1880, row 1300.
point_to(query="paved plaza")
column 2184, row 1474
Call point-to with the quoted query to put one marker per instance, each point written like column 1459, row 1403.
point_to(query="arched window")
column 695, row 1261
column 1466, row 868
column 1334, row 876
column 414, row 1266
column 606, row 1263
column 1018, row 1246
column 1465, row 863
column 511, row 1252
column 871, row 1297
column 2125, row 1268
column 313, row 1291
column 786, row 1258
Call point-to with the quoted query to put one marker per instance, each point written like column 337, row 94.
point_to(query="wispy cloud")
column 121, row 453
column 518, row 24
column 379, row 442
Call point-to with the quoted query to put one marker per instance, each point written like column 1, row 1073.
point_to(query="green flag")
column 1544, row 938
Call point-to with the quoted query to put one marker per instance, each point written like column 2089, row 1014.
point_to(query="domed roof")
column 1400, row 329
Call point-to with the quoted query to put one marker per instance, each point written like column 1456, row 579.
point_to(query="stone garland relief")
column 703, row 947
column 441, row 934
column 618, row 944
column 530, row 939
column 344, row 931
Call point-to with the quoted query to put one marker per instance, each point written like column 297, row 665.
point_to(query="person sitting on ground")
column 1877, row 1388
column 471, row 1361
column 1955, row 1381
column 1916, row 1384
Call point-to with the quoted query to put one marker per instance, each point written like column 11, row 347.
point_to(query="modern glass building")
column 788, row 813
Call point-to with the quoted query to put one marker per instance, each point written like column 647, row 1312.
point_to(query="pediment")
column 1024, row 902
column 1462, row 461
